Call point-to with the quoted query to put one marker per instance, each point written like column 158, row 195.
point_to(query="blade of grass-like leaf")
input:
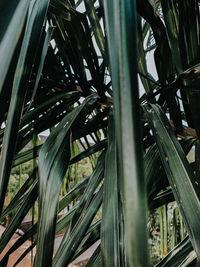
column 162, row 52
column 180, row 175
column 8, row 83
column 145, row 29
column 61, row 223
column 33, row 114
column 155, row 177
column 19, row 216
column 87, row 45
column 25, row 253
column 92, row 235
column 96, row 27
column 33, row 30
column 95, row 124
column 150, row 48
column 41, row 118
column 121, row 21
column 85, row 202
column 78, row 232
column 50, row 119
column 18, row 243
column 174, row 227
column 71, row 195
column 188, row 12
column 95, row 148
column 66, row 219
column 121, row 232
column 110, row 223
column 11, row 34
column 26, row 156
column 95, row 179
column 61, row 9
column 53, row 162
column 18, row 198
column 171, row 22
column 190, row 260
column 161, row 199
column 176, row 255
column 71, row 42
column 34, row 166
column 43, row 55
column 95, row 260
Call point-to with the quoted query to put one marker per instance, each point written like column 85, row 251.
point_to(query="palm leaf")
column 32, row 31
column 110, row 221
column 12, row 26
column 175, row 256
column 178, row 170
column 53, row 162
column 122, row 52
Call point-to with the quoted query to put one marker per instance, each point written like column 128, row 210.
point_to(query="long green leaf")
column 42, row 59
column 11, row 34
column 180, row 175
column 176, row 255
column 53, row 162
column 110, row 221
column 95, row 179
column 96, row 259
column 19, row 242
column 95, row 148
column 189, row 42
column 121, row 21
column 161, row 199
column 83, row 206
column 69, row 247
column 19, row 216
column 172, row 25
column 92, row 235
column 96, row 27
column 191, row 260
column 30, row 248
column 47, row 104
column 71, row 195
column 61, row 223
column 33, row 30
column 26, row 156
column 162, row 52
column 155, row 177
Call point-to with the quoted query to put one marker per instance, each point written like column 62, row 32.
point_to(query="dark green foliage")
column 67, row 70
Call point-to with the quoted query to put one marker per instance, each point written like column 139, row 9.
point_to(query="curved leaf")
column 19, row 216
column 78, row 232
column 82, row 211
column 53, row 162
column 176, row 255
column 33, row 29
column 180, row 175
column 10, row 36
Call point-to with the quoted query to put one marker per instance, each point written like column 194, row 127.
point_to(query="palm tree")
column 71, row 67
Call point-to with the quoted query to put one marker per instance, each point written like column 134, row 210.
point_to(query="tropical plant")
column 71, row 67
